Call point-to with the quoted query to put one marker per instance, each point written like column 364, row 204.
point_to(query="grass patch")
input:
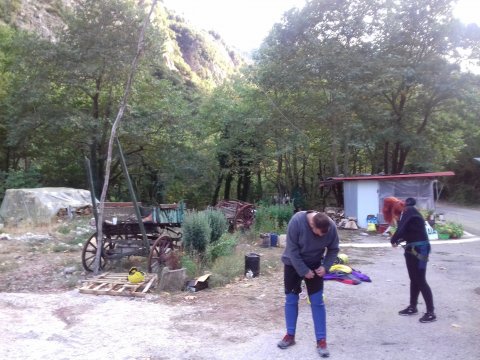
column 62, row 247
column 64, row 229
column 227, row 268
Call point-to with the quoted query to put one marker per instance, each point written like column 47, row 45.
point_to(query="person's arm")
column 402, row 226
column 332, row 250
column 293, row 249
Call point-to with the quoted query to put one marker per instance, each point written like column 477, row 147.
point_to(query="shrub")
column 218, row 224
column 453, row 229
column 196, row 232
column 19, row 179
column 224, row 247
column 189, row 263
column 273, row 218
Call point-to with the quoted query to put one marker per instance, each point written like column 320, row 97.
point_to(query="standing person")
column 311, row 249
column 411, row 229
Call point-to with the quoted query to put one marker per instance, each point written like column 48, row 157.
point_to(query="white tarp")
column 41, row 205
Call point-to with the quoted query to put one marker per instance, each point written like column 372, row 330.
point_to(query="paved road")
column 469, row 217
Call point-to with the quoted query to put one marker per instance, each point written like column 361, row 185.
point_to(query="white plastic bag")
column 431, row 232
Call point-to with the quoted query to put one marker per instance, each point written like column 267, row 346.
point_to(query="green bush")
column 218, row 224
column 273, row 218
column 453, row 229
column 19, row 179
column 189, row 263
column 223, row 247
column 196, row 232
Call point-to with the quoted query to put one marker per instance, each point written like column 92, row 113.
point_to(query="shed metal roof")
column 386, row 177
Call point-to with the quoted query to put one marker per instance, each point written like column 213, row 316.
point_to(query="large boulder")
column 40, row 206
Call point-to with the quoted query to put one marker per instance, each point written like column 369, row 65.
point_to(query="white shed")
column 363, row 195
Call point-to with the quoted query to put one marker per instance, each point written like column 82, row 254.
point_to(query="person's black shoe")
column 410, row 310
column 428, row 317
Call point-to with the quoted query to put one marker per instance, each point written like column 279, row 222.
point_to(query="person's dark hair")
column 322, row 222
column 410, row 201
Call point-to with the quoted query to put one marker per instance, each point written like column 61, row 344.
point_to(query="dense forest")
column 338, row 87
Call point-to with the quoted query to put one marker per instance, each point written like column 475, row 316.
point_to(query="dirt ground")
column 43, row 315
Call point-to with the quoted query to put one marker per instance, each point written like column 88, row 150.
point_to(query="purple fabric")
column 361, row 276
column 355, row 278
column 342, row 277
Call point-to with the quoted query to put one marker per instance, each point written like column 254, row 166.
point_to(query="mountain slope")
column 198, row 56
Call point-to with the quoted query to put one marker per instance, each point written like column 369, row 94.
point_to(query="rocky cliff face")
column 39, row 16
column 197, row 55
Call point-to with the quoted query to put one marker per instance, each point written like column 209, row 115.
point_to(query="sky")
column 241, row 23
column 244, row 24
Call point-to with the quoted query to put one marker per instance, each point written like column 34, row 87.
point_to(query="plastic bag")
column 431, row 232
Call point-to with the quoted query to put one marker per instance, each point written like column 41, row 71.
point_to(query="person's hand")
column 309, row 275
column 320, row 271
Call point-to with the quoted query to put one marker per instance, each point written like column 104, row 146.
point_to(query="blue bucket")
column 273, row 239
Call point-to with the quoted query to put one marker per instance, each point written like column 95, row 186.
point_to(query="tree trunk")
column 385, row 157
column 403, row 157
column 217, row 190
column 96, row 168
column 395, row 156
column 228, row 186
column 288, row 175
column 346, row 152
column 259, row 190
column 247, row 179
column 279, row 181
column 334, row 147
column 303, row 172
column 239, row 186
column 294, row 169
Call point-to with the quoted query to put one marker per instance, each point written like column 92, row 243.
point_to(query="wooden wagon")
column 239, row 214
column 123, row 236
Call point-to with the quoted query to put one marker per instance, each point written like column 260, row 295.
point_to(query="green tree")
column 235, row 114
column 374, row 77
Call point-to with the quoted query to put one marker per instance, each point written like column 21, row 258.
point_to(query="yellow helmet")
column 342, row 259
column 342, row 268
column 135, row 276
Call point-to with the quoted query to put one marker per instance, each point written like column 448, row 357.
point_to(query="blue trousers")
column 315, row 292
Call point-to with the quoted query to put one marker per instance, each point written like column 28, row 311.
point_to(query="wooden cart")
column 123, row 237
column 239, row 214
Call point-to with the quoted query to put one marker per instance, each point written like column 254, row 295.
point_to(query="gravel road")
column 224, row 323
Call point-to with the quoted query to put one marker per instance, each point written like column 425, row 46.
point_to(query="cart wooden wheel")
column 89, row 252
column 244, row 217
column 160, row 248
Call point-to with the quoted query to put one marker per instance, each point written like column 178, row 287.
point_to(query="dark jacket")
column 411, row 227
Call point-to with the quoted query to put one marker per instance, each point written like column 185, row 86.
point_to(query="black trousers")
column 417, row 271
column 292, row 282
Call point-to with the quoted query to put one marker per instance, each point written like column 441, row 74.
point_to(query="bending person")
column 411, row 229
column 311, row 249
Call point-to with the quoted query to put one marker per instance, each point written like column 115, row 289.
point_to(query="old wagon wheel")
column 89, row 252
column 158, row 252
column 244, row 217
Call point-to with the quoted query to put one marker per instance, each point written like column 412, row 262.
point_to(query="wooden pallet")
column 117, row 284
